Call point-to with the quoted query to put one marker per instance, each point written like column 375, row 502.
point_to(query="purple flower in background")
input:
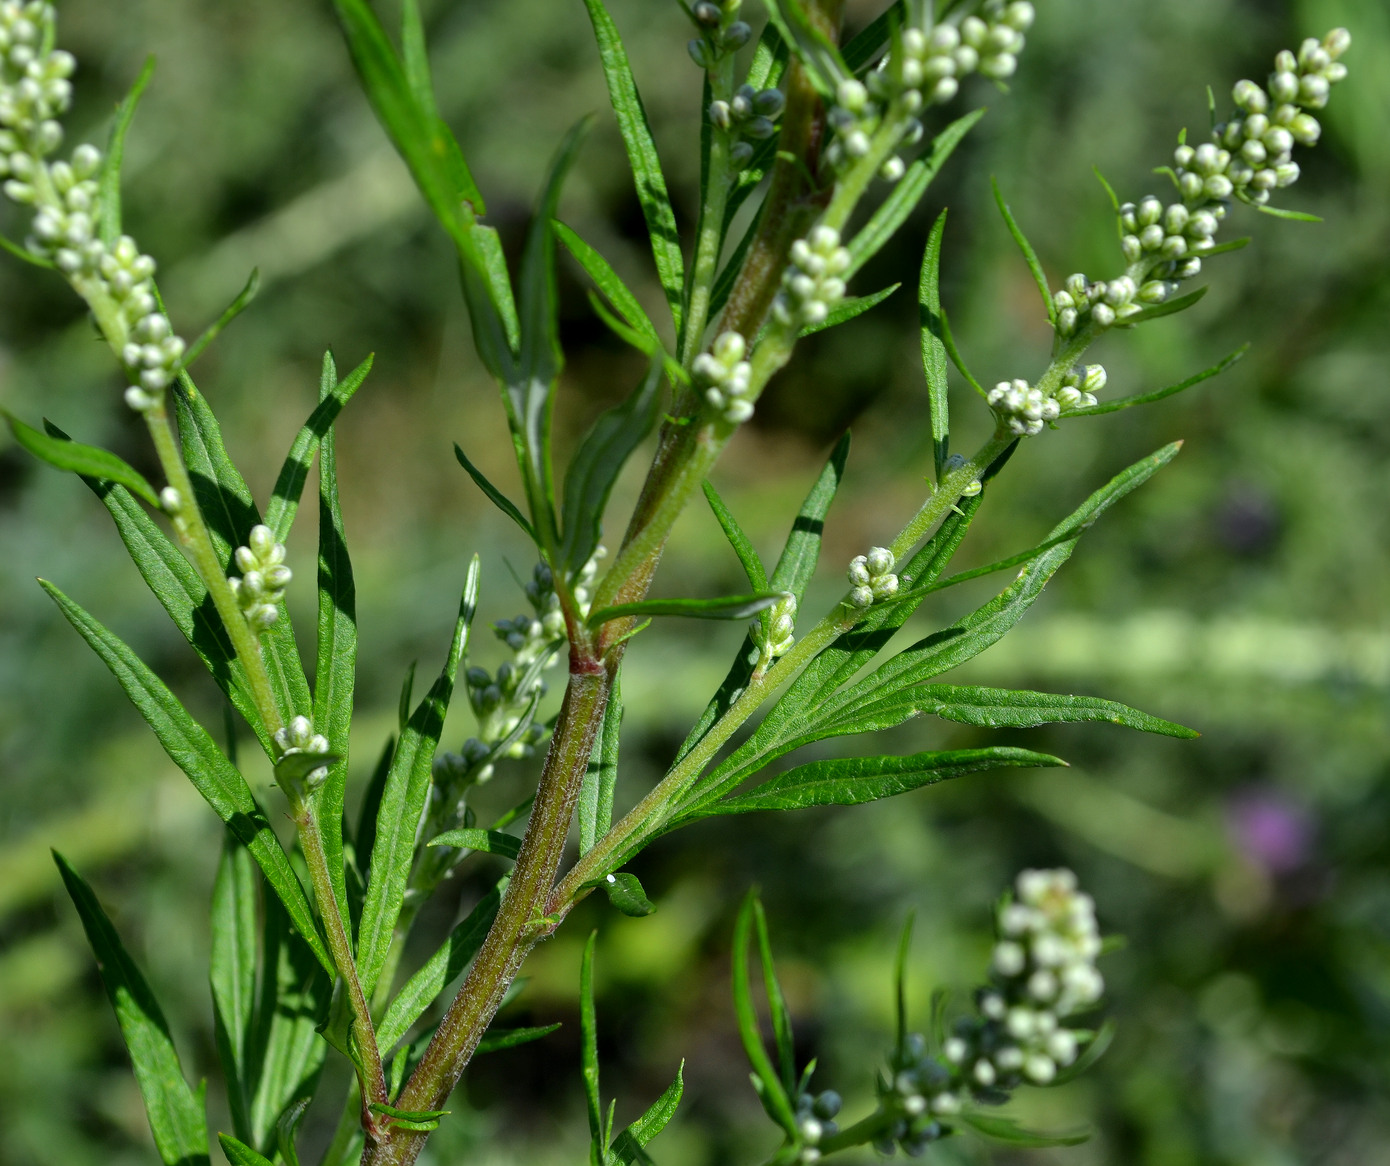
column 1270, row 829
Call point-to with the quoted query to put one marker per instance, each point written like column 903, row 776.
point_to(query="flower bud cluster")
column 299, row 737
column 925, row 67
column 1042, row 973
column 773, row 635
column 1247, row 158
column 726, row 377
column 750, row 115
column 814, row 281
column 721, row 32
column 815, row 1120
column 871, row 577
column 35, row 90
column 263, row 580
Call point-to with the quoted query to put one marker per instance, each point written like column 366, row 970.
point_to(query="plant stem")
column 340, row 946
column 520, row 923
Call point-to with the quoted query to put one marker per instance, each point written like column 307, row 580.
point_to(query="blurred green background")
column 1241, row 592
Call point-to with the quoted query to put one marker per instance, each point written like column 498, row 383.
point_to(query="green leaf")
column 956, row 359
column 824, row 66
column 625, row 892
column 403, row 801
column 1001, row 708
column 1095, row 1049
column 239, row 1154
column 728, row 274
column 776, row 1003
column 286, row 1050
column 588, row 1028
column 24, row 253
column 629, row 1146
column 1008, row 1131
column 336, row 650
column 176, row 1114
column 109, row 178
column 601, row 775
column 848, row 308
column 420, row 1120
column 232, row 975
column 730, row 607
column 289, row 485
column 883, row 224
column 867, row 44
column 743, row 548
column 230, row 513
column 1158, row 394
column 498, row 499
column 854, row 781
column 1029, row 255
column 801, row 552
column 364, row 837
column 609, row 284
column 295, row 767
column 483, row 841
column 287, row 1127
column 529, row 394
column 495, row 1040
column 934, row 359
column 900, row 985
column 594, row 469
column 191, row 748
column 772, row 1093
column 234, row 309
column 177, row 586
column 1167, row 308
column 1279, row 212
column 86, row 460
column 444, row 966
column 642, row 158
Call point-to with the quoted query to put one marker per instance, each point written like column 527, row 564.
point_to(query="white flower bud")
column 852, row 95
column 1039, row 1068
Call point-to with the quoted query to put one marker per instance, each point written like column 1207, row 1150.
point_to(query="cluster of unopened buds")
column 871, row 577
column 1043, row 972
column 726, row 377
column 1247, row 157
column 925, row 68
column 750, row 115
column 773, row 635
column 721, row 32
column 263, row 580
column 299, row 737
column 1027, row 408
column 813, row 283
column 35, row 91
column 815, row 1121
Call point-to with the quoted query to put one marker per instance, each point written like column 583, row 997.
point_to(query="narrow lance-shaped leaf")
column 289, row 485
column 850, row 308
column 883, row 224
column 336, row 654
column 87, row 460
column 854, row 781
column 1168, row 391
column 444, row 966
column 495, row 1040
column 240, row 1154
column 824, row 66
column 175, row 1112
column 865, row 46
column 109, row 177
column 934, row 358
column 770, row 1089
column 233, row 310
column 588, row 1028
column 494, row 495
column 642, row 157
column 1029, row 255
column 629, row 1146
column 529, row 394
column 729, row 607
column 287, row 1128
column 743, row 547
column 776, row 1003
column 483, row 841
column 609, row 283
column 232, row 975
column 403, row 801
column 594, row 469
column 1008, row 1131
column 190, row 748
column 595, row 808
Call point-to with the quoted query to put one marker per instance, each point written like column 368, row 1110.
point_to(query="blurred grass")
column 1242, row 592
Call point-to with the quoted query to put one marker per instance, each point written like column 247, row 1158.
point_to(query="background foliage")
column 1242, row 592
